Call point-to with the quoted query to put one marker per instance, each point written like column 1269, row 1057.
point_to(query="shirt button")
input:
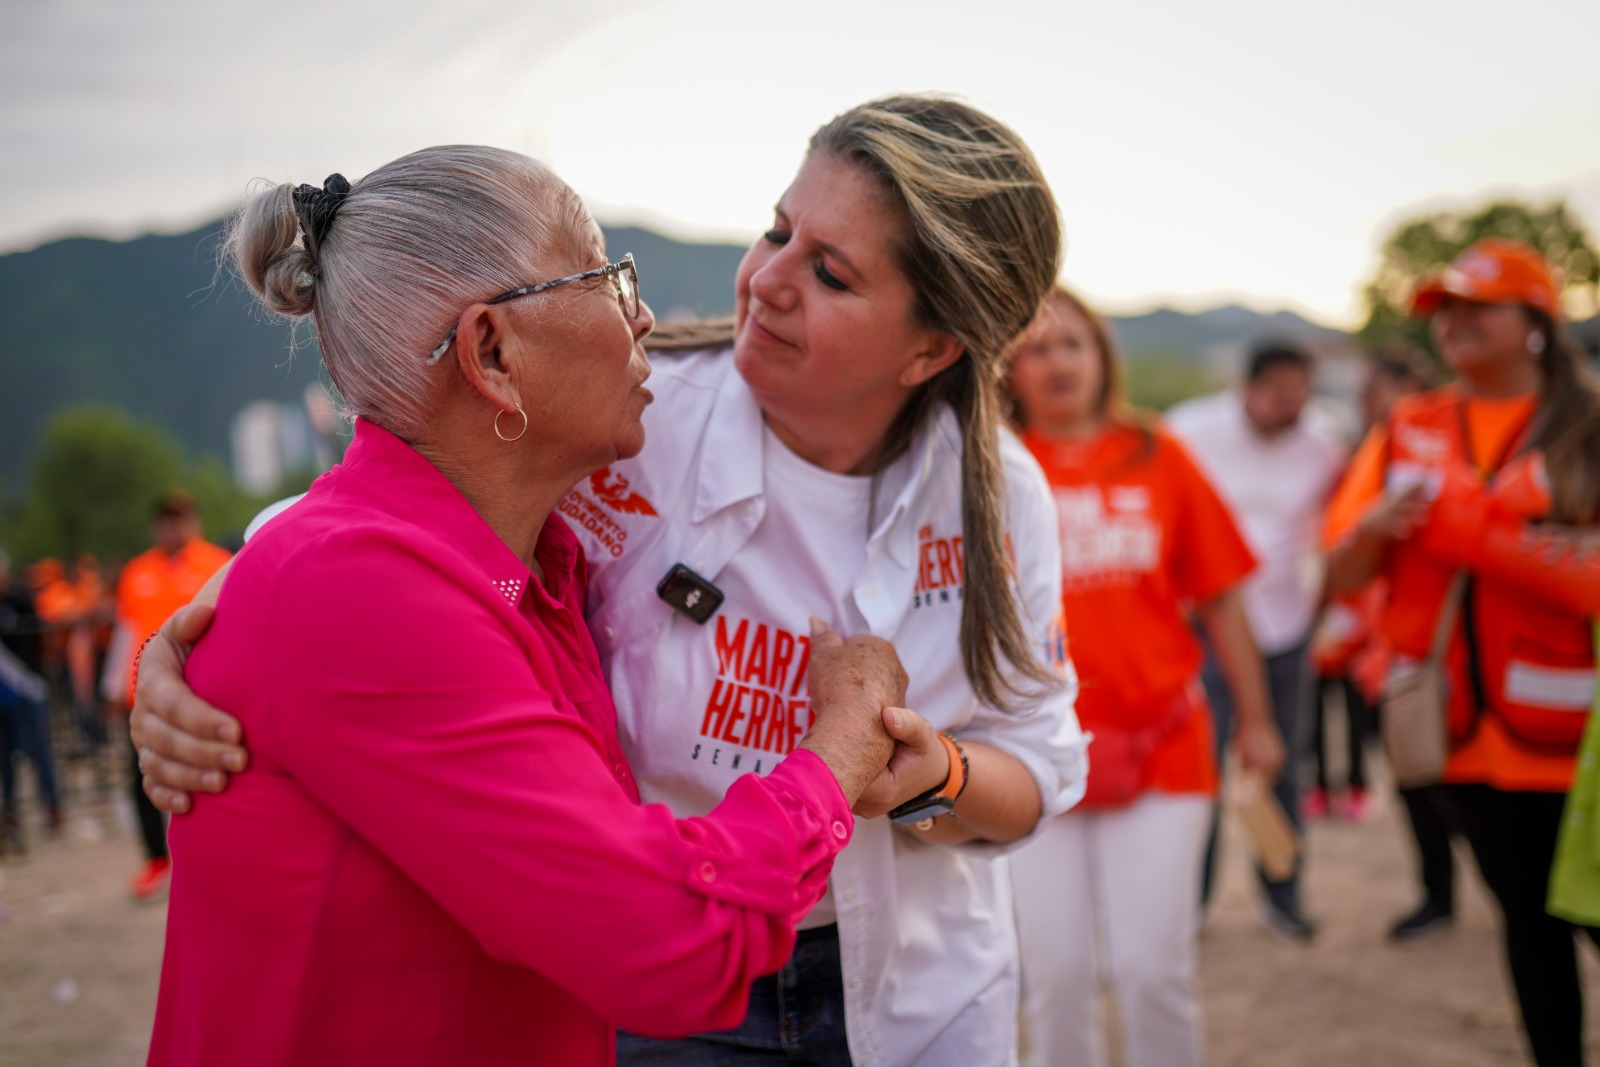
column 609, row 632
column 621, row 769
column 869, row 589
column 855, row 983
column 708, row 873
column 840, row 830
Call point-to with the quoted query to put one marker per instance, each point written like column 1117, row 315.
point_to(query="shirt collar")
column 170, row 558
column 732, row 455
column 414, row 490
column 732, row 461
column 935, row 448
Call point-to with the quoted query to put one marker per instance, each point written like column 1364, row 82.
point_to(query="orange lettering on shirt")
column 730, row 651
column 776, row 739
column 947, row 573
column 800, row 671
column 736, row 713
column 925, row 565
column 748, row 705
column 941, row 565
column 722, row 696
column 782, row 653
column 755, row 665
column 761, row 702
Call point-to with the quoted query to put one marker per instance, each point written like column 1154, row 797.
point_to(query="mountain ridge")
column 153, row 326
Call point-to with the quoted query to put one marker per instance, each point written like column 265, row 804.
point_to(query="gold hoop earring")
column 501, row 435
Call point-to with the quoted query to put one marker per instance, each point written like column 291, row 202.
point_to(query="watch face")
column 907, row 815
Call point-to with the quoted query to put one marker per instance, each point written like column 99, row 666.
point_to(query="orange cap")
column 1494, row 270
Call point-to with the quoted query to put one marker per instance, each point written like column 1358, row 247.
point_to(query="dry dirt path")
column 79, row 961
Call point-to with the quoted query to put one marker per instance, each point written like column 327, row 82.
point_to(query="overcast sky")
column 1201, row 151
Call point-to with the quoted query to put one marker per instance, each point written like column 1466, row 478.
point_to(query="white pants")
column 1111, row 899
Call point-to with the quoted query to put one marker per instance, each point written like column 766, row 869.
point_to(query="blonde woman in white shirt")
column 838, row 452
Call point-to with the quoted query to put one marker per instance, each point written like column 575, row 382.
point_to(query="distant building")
column 270, row 442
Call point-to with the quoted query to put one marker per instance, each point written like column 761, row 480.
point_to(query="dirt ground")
column 79, row 960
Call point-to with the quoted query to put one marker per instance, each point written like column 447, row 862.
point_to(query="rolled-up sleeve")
column 410, row 703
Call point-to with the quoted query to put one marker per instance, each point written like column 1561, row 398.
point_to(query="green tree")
column 92, row 485
column 97, row 473
column 1426, row 244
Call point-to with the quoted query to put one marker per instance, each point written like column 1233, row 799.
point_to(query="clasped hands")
column 881, row 752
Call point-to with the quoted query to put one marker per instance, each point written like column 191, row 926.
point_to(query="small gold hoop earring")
column 502, row 436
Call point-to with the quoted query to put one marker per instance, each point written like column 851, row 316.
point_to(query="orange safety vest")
column 1516, row 656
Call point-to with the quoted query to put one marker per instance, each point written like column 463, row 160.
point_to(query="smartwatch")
column 941, row 800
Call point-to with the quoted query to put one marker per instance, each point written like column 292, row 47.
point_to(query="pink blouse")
column 438, row 854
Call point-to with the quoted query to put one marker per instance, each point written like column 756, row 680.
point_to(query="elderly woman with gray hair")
column 439, row 855
column 835, row 451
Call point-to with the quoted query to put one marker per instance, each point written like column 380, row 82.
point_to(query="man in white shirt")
column 1275, row 462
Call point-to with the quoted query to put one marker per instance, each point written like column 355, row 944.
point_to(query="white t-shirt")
column 1276, row 488
column 815, row 537
column 927, row 942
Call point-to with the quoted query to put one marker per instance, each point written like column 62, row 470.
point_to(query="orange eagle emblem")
column 612, row 491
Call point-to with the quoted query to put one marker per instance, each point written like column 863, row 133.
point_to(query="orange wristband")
column 920, row 811
column 956, row 783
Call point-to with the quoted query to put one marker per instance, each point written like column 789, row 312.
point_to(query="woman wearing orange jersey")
column 1495, row 478
column 1111, row 886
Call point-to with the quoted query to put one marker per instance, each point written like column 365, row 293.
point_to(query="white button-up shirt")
column 928, row 946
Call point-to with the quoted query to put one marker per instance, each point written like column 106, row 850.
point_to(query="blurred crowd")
column 69, row 635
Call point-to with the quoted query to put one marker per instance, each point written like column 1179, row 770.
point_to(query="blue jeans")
column 795, row 1016
column 27, row 730
column 1289, row 686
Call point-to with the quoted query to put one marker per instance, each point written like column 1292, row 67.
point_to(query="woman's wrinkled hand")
column 852, row 681
column 185, row 745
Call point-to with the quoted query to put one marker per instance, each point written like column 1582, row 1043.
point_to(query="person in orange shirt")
column 154, row 584
column 1396, row 371
column 69, row 606
column 1495, row 478
column 55, row 599
column 85, row 647
column 1144, row 539
column 1345, row 645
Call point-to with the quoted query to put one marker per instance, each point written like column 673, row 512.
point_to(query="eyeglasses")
column 623, row 274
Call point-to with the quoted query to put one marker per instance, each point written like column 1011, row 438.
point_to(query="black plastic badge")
column 689, row 593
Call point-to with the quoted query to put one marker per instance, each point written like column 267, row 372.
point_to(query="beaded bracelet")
column 138, row 656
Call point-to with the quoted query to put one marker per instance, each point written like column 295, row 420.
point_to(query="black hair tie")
column 317, row 207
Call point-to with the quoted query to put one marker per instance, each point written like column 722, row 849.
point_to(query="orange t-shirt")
column 1491, row 755
column 1143, row 536
column 154, row 585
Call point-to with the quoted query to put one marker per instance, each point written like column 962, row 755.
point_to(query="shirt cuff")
column 776, row 839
